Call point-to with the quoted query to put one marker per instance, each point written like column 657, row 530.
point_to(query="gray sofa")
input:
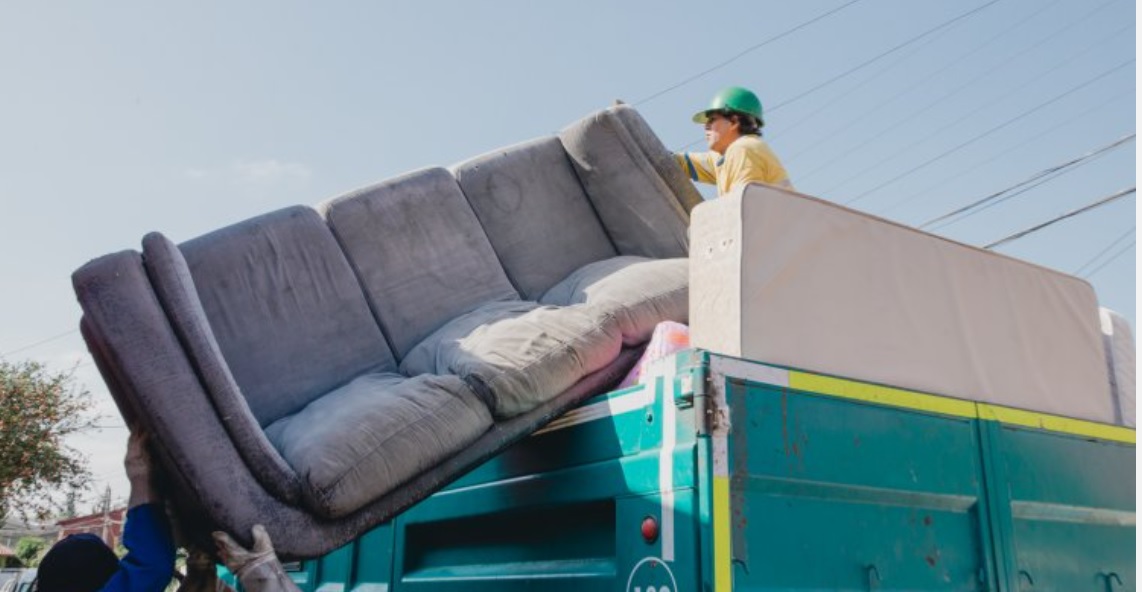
column 318, row 370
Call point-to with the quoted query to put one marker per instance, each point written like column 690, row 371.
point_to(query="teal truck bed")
column 721, row 474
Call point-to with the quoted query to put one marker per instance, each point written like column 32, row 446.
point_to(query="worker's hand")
column 139, row 470
column 258, row 569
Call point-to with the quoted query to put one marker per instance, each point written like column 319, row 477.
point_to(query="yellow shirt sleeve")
column 698, row 166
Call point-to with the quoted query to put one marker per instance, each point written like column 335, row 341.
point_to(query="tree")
column 29, row 550
column 38, row 409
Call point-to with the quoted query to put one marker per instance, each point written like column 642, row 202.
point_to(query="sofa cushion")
column 637, row 291
column 519, row 354
column 639, row 192
column 420, row 252
column 368, row 437
column 535, row 213
column 286, row 310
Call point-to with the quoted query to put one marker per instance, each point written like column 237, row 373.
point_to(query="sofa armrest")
column 174, row 287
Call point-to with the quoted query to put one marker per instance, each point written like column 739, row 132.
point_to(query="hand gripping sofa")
column 318, row 370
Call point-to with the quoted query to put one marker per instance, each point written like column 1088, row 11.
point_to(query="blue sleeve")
column 149, row 563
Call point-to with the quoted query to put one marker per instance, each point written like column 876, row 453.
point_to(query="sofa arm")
column 639, row 192
column 172, row 283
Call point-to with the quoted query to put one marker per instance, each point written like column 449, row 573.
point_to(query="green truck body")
column 721, row 474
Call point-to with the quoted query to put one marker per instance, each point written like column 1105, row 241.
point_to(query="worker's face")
column 720, row 132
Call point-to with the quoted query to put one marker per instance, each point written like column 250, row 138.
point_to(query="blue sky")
column 121, row 118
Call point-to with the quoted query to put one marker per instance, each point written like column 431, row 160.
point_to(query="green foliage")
column 29, row 550
column 38, row 409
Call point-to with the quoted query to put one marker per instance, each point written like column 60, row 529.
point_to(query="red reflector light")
column 649, row 529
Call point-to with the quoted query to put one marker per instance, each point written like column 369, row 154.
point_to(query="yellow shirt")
column 748, row 159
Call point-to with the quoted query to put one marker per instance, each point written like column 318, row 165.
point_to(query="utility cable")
column 1113, row 244
column 1114, row 257
column 947, row 96
column 850, row 122
column 38, row 343
column 742, row 53
column 882, row 55
column 994, row 129
column 992, row 158
column 1072, row 213
column 1037, row 176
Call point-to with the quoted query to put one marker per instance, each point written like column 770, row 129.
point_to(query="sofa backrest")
column 420, row 253
column 285, row 308
column 536, row 215
column 639, row 192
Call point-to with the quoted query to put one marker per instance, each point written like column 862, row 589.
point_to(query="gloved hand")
column 258, row 569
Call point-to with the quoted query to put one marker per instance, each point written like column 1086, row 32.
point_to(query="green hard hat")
column 736, row 99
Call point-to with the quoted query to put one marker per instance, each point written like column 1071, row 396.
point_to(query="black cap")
column 79, row 563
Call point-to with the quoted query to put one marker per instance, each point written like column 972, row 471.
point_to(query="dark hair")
column 78, row 563
column 748, row 125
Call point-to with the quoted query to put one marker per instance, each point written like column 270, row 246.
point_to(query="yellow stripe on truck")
column 894, row 397
column 723, row 577
column 1056, row 423
column 881, row 395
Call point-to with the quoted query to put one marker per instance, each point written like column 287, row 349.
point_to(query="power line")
column 1045, row 172
column 882, row 55
column 946, row 96
column 1072, row 213
column 1103, row 252
column 739, row 55
column 1120, row 253
column 38, row 343
column 990, row 131
column 918, row 84
column 991, row 159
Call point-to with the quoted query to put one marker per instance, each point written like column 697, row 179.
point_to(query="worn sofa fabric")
column 420, row 253
column 287, row 366
column 640, row 195
column 286, row 309
column 536, row 215
column 283, row 275
column 173, row 285
column 380, row 428
column 519, row 353
column 638, row 292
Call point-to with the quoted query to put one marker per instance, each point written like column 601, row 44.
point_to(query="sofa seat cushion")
column 369, row 436
column 519, row 354
column 638, row 292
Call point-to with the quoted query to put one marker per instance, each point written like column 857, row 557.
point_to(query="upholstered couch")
column 319, row 369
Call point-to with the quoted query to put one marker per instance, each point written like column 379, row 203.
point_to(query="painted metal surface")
column 756, row 477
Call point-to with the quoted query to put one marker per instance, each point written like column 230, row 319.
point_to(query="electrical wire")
column 1120, row 253
column 994, row 129
column 1061, row 217
column 880, row 56
column 1050, row 171
column 957, row 60
column 742, row 53
column 992, row 158
column 39, row 343
column 947, row 96
column 1113, row 244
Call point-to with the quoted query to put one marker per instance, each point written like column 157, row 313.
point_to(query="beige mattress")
column 788, row 279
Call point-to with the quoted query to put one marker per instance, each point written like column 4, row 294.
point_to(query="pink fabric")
column 668, row 338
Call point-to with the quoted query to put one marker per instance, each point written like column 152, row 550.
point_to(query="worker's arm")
column 699, row 166
column 149, row 563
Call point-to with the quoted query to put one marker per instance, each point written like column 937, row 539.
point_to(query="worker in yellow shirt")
column 737, row 153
